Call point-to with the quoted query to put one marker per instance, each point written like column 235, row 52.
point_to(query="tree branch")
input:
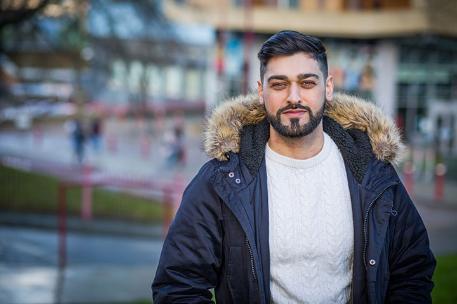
column 15, row 16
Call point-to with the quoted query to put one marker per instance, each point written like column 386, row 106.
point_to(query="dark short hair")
column 286, row 43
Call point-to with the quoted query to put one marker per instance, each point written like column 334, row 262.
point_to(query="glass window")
column 119, row 73
column 135, row 76
column 288, row 3
column 154, row 80
column 445, row 57
column 173, row 82
column 402, row 94
column 424, row 56
column 410, row 55
column 293, row 3
column 443, row 91
column 421, row 95
column 193, row 84
column 454, row 85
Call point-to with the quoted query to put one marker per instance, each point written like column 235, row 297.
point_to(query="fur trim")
column 227, row 121
column 222, row 134
column 355, row 113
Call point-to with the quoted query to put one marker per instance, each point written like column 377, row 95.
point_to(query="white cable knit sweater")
column 311, row 231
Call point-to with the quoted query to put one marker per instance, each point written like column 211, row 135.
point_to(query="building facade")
column 402, row 55
column 125, row 56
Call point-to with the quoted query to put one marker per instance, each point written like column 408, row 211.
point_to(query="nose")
column 294, row 94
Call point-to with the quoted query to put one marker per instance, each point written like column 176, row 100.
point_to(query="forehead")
column 292, row 65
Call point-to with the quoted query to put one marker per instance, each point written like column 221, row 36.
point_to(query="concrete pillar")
column 446, row 133
column 385, row 64
column 254, row 73
column 454, row 133
column 453, row 125
column 433, row 117
column 211, row 81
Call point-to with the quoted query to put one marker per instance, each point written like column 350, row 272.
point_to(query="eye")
column 308, row 84
column 278, row 85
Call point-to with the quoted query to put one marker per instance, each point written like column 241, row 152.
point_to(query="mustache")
column 294, row 106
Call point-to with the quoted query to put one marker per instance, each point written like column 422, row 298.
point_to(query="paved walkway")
column 440, row 217
column 76, row 224
column 131, row 156
column 116, row 261
column 100, row 268
column 83, row 284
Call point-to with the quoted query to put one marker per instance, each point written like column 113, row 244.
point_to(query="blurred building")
column 402, row 54
column 40, row 57
column 143, row 61
column 116, row 56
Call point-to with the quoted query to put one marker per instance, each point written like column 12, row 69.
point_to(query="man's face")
column 294, row 92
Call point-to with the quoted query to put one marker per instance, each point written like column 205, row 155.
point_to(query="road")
column 105, row 268
column 100, row 268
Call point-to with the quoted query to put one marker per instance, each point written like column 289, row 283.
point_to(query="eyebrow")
column 300, row 77
column 308, row 75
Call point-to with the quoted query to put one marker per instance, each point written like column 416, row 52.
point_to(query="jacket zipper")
column 251, row 256
column 365, row 233
column 365, row 224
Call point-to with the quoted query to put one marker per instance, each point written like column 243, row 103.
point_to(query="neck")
column 299, row 148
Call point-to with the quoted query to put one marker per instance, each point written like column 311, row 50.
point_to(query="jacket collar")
column 360, row 130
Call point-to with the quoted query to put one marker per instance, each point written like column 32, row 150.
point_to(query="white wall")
column 385, row 64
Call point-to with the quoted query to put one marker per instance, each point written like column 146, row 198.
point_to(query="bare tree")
column 16, row 12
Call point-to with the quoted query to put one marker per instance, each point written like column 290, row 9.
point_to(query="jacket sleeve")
column 191, row 254
column 411, row 261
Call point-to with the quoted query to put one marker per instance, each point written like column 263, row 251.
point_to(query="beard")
column 295, row 130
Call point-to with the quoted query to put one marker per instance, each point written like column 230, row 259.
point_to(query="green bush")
column 445, row 279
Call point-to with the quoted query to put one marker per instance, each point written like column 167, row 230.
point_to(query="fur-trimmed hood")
column 225, row 125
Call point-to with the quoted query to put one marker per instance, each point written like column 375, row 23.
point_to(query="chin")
column 301, row 123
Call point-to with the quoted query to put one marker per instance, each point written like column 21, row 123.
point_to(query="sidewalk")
column 76, row 224
column 128, row 158
column 83, row 284
column 424, row 193
column 99, row 268
column 440, row 217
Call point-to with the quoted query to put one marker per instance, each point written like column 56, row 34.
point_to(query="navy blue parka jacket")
column 219, row 238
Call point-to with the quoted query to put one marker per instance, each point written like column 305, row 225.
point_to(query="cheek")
column 269, row 107
column 313, row 98
column 275, row 98
column 272, row 100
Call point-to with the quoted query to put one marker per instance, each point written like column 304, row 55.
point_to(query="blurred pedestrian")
column 96, row 134
column 177, row 152
column 300, row 203
column 78, row 139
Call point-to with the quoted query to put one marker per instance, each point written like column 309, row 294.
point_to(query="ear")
column 329, row 88
column 260, row 91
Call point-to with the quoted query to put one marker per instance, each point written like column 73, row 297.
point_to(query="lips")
column 294, row 112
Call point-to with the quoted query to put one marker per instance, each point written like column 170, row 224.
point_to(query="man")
column 300, row 203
